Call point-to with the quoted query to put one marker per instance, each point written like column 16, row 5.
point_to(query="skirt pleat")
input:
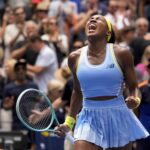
column 108, row 126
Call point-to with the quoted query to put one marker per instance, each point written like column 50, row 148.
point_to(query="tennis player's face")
column 96, row 26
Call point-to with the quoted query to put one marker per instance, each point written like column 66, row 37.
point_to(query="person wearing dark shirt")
column 144, row 112
column 25, row 51
column 13, row 89
column 138, row 45
column 66, row 96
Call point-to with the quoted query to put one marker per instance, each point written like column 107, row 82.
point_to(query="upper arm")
column 127, row 64
column 72, row 63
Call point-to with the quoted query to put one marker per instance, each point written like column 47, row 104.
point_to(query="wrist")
column 70, row 122
column 138, row 101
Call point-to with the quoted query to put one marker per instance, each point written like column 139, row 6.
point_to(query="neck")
column 41, row 46
column 20, row 82
column 96, row 46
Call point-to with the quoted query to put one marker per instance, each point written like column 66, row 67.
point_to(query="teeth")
column 92, row 27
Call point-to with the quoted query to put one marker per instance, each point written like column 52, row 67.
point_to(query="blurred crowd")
column 36, row 37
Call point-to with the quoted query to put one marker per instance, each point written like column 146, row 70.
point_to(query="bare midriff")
column 101, row 98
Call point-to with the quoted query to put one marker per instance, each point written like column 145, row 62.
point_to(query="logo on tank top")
column 110, row 66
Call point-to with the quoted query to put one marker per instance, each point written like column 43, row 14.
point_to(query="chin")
column 92, row 36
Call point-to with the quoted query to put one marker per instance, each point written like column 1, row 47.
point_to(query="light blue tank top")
column 105, row 79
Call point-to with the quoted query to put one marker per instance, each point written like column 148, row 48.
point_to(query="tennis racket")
column 34, row 109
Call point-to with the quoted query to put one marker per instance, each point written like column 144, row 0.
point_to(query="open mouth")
column 92, row 27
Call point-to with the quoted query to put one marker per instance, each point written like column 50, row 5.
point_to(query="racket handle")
column 69, row 137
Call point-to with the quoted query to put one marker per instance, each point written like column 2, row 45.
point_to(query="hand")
column 61, row 129
column 5, row 18
column 132, row 102
column 8, row 102
column 37, row 116
column 21, row 28
column 54, row 38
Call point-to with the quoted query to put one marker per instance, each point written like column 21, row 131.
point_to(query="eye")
column 97, row 18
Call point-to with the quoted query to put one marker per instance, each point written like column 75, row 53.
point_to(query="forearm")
column 14, row 39
column 58, row 103
column 76, row 103
column 141, row 8
column 134, row 92
column 35, row 69
column 18, row 53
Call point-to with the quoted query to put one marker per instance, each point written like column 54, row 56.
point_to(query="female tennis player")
column 100, row 69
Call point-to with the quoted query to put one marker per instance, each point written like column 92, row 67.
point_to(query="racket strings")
column 32, row 107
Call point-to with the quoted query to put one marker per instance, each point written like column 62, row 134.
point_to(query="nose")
column 92, row 20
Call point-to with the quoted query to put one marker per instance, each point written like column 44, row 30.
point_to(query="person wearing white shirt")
column 46, row 63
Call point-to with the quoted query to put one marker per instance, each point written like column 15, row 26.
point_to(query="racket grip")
column 69, row 137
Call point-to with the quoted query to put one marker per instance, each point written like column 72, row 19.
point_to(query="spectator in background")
column 63, row 73
column 9, row 70
column 8, row 76
column 46, row 63
column 128, row 34
column 56, row 40
column 2, row 8
column 15, row 32
column 142, row 26
column 41, row 12
column 22, row 49
column 54, row 90
column 18, row 3
column 94, row 5
column 13, row 89
column 111, row 11
column 75, row 28
column 144, row 8
column 142, row 66
column 138, row 46
column 144, row 112
column 8, row 18
column 60, row 9
column 121, row 15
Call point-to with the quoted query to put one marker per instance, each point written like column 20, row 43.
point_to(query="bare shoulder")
column 73, row 58
column 123, row 53
column 122, row 50
column 124, row 56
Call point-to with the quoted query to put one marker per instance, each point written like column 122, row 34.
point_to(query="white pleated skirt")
column 108, row 124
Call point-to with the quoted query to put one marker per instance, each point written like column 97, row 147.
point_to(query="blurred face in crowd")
column 112, row 6
column 55, row 89
column 31, row 28
column 19, row 15
column 37, row 45
column 20, row 72
column 129, row 35
column 8, row 66
column 41, row 14
column 142, row 26
column 44, row 25
column 52, row 25
column 10, row 15
column 54, row 94
column 92, row 1
column 122, row 5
